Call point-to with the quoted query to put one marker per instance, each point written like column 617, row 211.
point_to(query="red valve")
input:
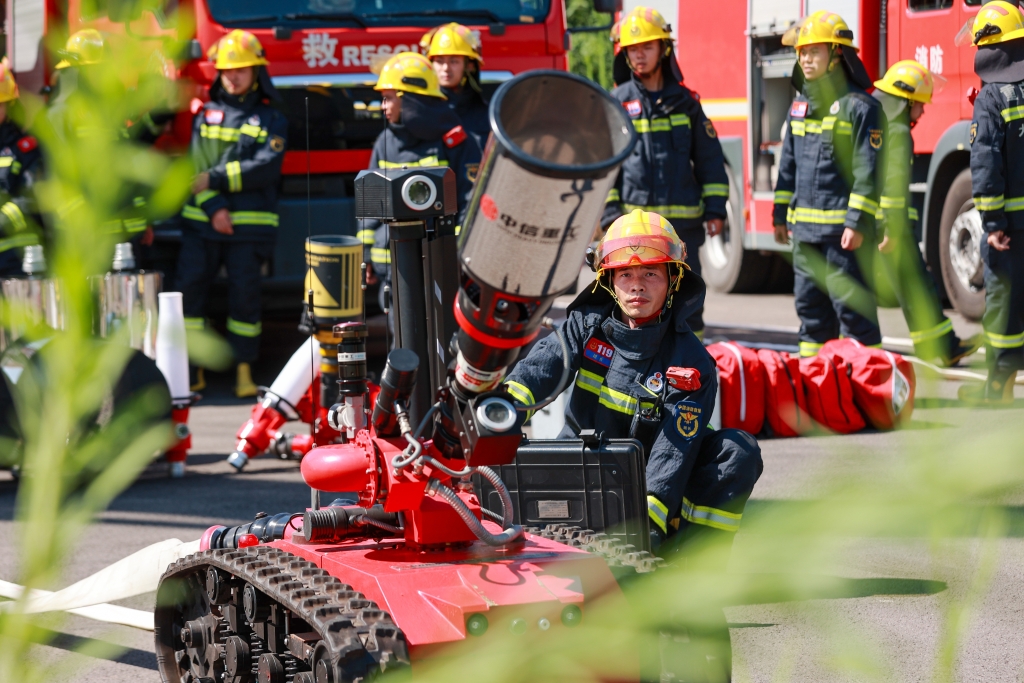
column 247, row 540
column 684, row 379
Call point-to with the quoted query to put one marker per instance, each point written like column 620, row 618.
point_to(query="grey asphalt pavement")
column 902, row 586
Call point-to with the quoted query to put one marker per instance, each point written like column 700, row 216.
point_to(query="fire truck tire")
column 726, row 265
column 241, row 615
column 960, row 237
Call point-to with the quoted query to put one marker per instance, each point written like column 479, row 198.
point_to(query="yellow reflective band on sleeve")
column 989, row 203
column 892, row 202
column 129, row 225
column 250, row 330
column 194, row 213
column 1005, row 341
column 783, row 197
column 422, row 163
column 912, row 214
column 820, row 216
column 23, row 240
column 859, row 201
column 205, row 196
column 809, row 349
column 15, row 216
column 6, row 161
column 708, row 516
column 589, row 381
column 521, row 393
column 366, row 236
column 1012, row 114
column 658, row 513
column 255, row 218
column 670, row 211
column 139, row 202
column 234, row 171
column 943, row 328
column 458, row 229
column 613, row 196
column 715, row 190
column 195, row 323
column 1014, row 204
column 381, row 255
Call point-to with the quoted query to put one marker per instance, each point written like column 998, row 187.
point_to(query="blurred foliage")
column 591, row 53
column 80, row 452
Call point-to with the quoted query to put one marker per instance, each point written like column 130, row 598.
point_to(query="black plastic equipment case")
column 594, row 484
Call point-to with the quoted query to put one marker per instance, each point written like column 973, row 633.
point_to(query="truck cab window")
column 924, row 5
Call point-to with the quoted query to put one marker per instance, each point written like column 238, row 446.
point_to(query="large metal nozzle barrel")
column 558, row 140
column 334, row 274
column 126, row 299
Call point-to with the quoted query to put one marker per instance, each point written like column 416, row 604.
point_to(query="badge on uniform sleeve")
column 709, row 128
column 687, row 414
column 798, row 110
column 974, row 132
column 875, row 138
column 472, row 171
column 277, row 143
column 214, row 116
column 599, row 352
column 253, row 120
column 632, row 107
column 834, row 109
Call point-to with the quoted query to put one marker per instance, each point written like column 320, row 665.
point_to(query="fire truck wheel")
column 728, row 267
column 960, row 238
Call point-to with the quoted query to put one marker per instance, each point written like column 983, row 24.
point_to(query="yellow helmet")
column 236, row 50
column 639, row 238
column 452, row 39
column 641, row 25
column 911, row 81
column 409, row 72
column 821, row 27
column 8, row 87
column 996, row 22
column 83, row 47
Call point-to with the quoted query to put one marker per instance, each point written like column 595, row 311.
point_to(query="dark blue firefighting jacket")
column 997, row 156
column 430, row 134
column 20, row 167
column 471, row 107
column 677, row 168
column 240, row 141
column 827, row 173
column 619, row 371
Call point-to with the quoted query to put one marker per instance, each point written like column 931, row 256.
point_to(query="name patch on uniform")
column 215, row 116
column 599, row 352
column 875, row 138
column 974, row 132
column 834, row 109
column 687, row 414
column 798, row 110
column 632, row 107
column 709, row 128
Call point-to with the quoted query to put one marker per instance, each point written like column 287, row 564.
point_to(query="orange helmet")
column 639, row 238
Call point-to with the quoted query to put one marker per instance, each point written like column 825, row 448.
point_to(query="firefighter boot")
column 197, row 379
column 962, row 348
column 244, row 386
column 995, row 392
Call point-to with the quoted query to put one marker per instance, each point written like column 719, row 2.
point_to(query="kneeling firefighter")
column 623, row 336
column 238, row 143
column 421, row 131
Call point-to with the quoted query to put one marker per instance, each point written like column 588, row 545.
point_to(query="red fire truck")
column 731, row 52
column 318, row 49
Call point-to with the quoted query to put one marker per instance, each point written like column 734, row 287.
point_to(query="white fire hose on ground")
column 137, row 574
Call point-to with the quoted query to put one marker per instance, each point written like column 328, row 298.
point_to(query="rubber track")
column 618, row 554
column 362, row 639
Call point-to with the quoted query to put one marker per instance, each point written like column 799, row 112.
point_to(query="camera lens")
column 419, row 192
column 496, row 414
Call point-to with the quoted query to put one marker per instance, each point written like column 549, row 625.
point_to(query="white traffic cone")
column 172, row 359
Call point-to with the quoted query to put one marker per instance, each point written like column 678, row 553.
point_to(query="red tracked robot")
column 410, row 561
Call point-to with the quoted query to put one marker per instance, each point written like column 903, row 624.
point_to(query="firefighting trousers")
column 694, row 238
column 930, row 329
column 832, row 297
column 728, row 465
column 198, row 264
column 1004, row 304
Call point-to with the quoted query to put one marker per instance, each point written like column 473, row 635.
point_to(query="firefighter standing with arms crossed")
column 903, row 93
column 455, row 52
column 997, row 176
column 677, row 170
column 827, row 190
column 238, row 143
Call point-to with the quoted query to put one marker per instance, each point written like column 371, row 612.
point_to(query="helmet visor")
column 965, row 36
column 640, row 251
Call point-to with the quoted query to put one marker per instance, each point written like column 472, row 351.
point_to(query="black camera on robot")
column 406, row 194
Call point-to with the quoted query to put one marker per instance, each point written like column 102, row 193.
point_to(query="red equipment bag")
column 785, row 405
column 830, row 394
column 883, row 382
column 742, row 386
